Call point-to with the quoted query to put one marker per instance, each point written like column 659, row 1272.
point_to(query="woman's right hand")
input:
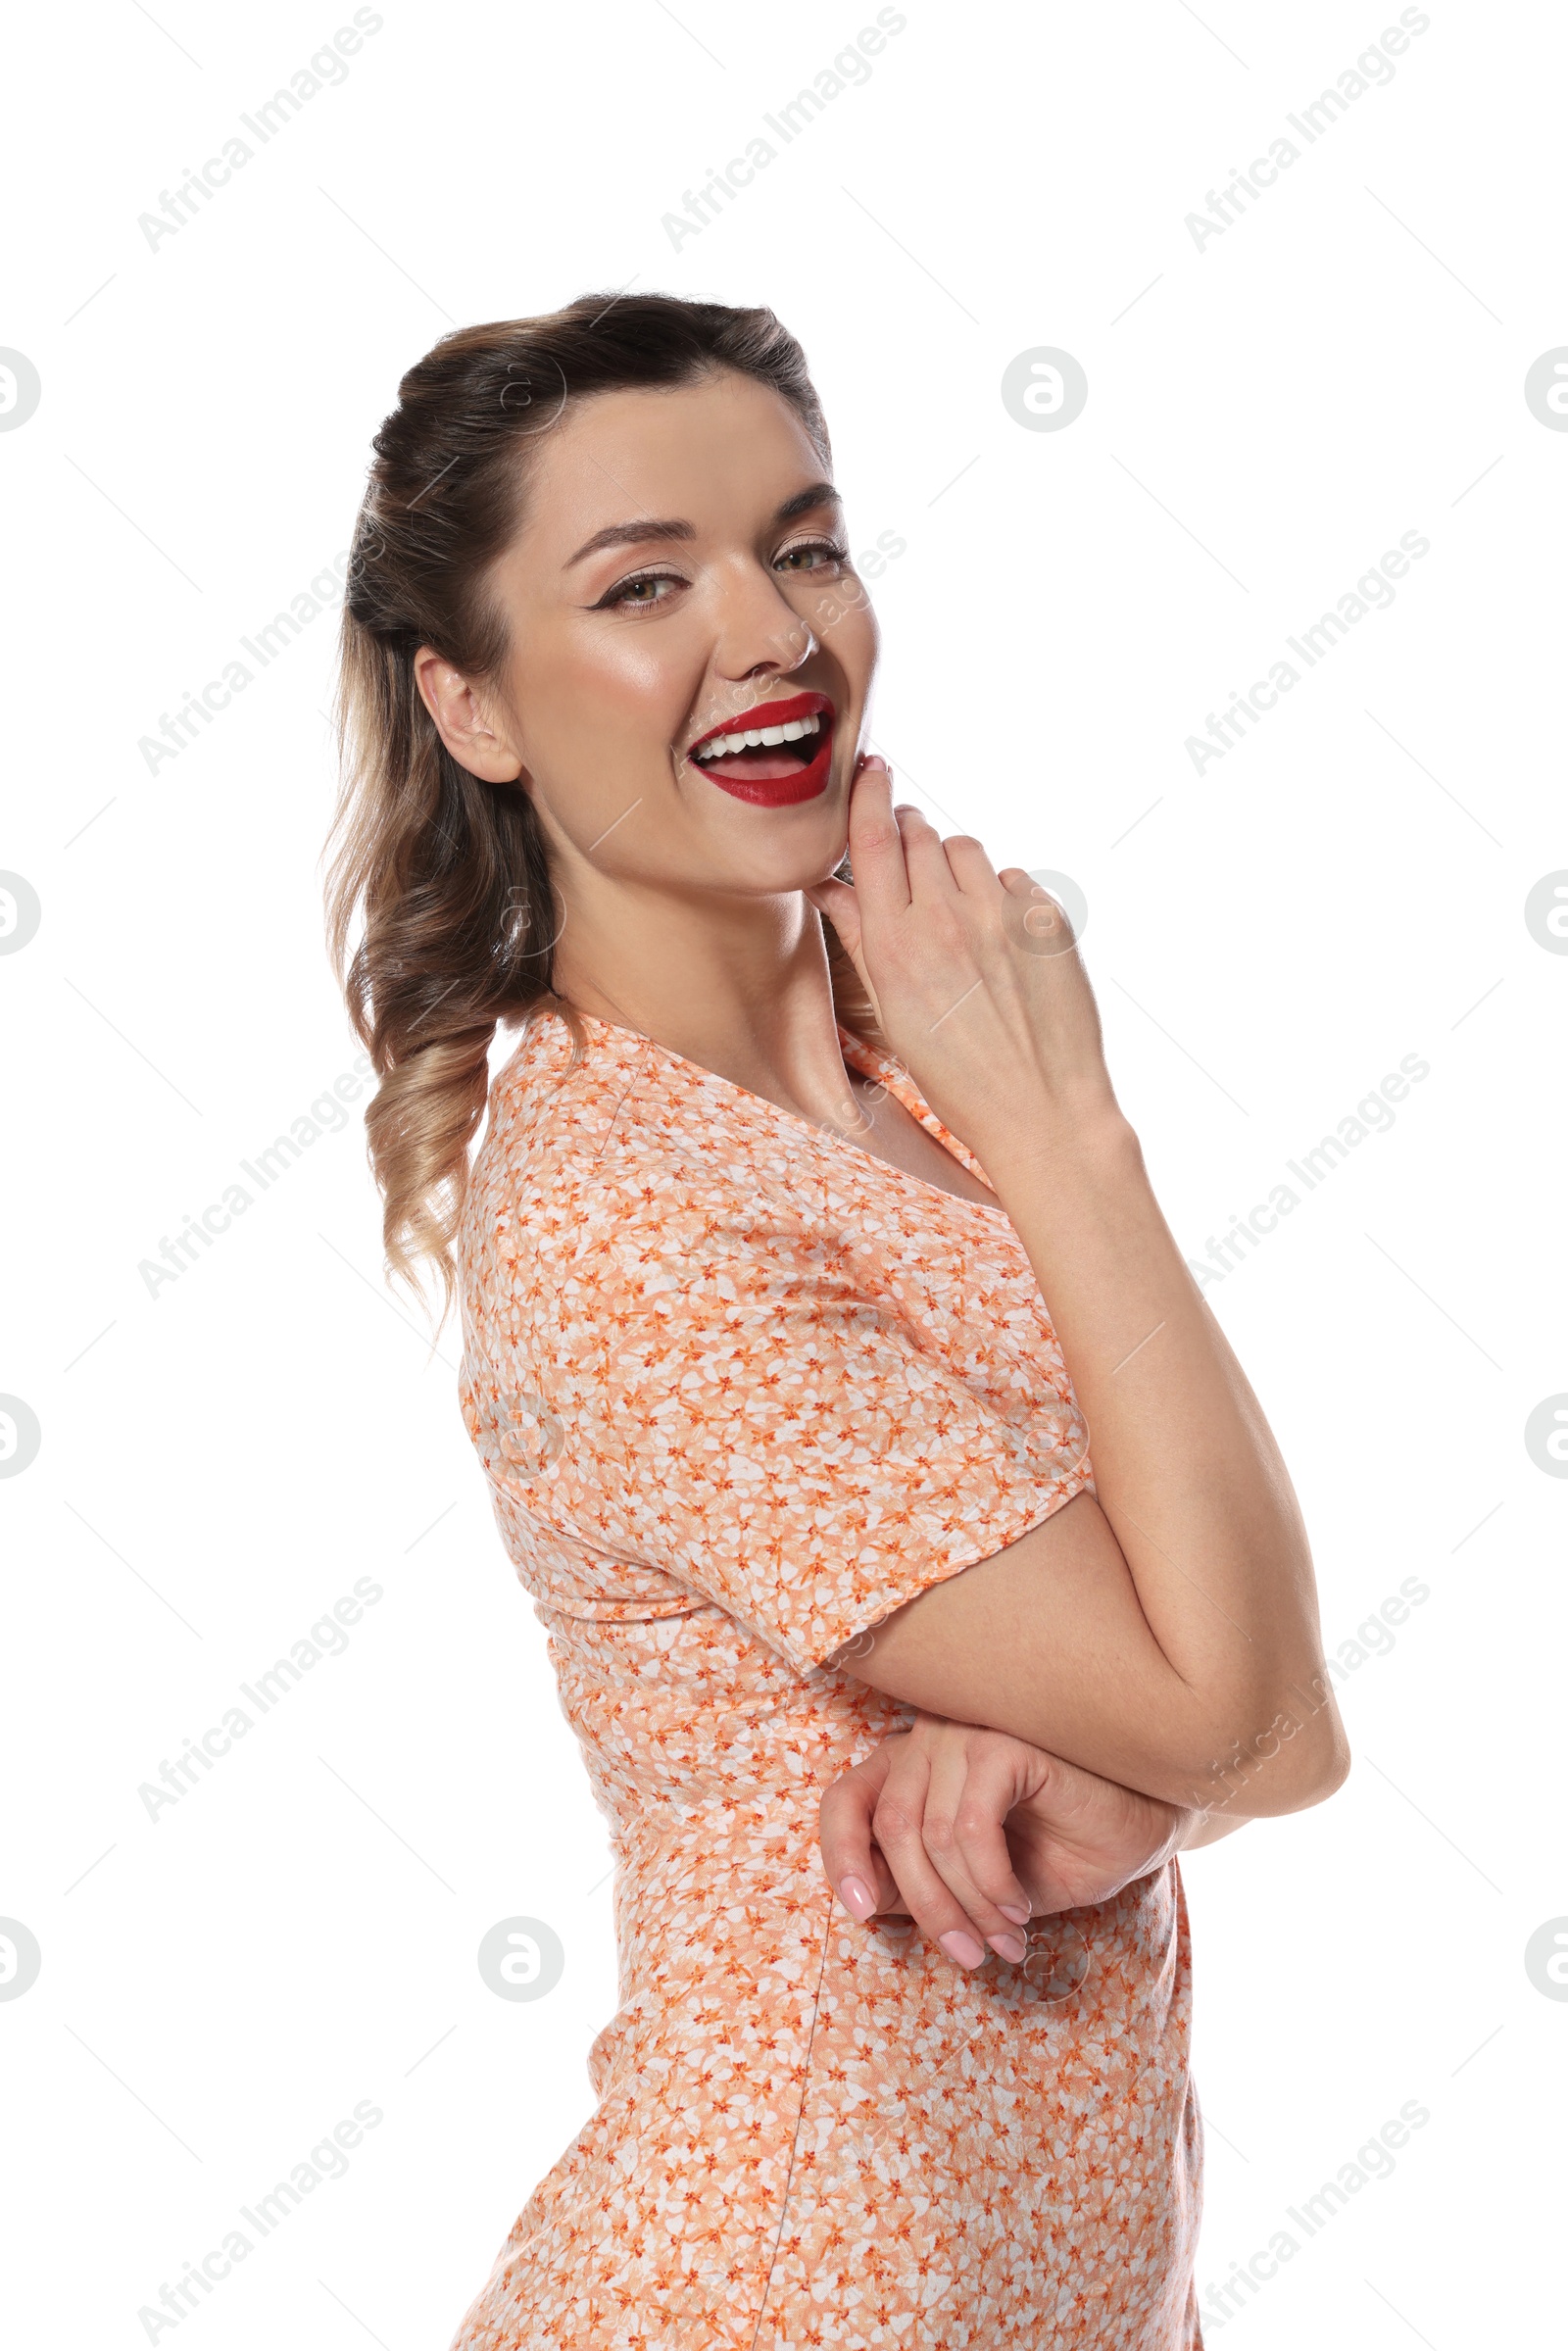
column 971, row 1834
column 974, row 976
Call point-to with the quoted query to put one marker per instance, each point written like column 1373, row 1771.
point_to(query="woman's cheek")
column 650, row 682
column 841, row 619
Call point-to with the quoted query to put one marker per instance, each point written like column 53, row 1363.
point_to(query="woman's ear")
column 475, row 733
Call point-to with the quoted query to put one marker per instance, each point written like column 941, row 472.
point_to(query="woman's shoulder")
column 585, row 1146
column 552, row 1089
column 550, row 1115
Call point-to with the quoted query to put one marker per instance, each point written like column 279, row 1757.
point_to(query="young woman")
column 754, row 1261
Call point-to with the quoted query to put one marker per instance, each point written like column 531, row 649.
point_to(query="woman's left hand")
column 971, row 1834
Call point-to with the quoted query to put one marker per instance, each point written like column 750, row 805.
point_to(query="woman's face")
column 681, row 577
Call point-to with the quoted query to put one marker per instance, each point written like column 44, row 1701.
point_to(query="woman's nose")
column 791, row 651
column 779, row 655
column 760, row 632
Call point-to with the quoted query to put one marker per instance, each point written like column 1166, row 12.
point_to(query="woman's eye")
column 823, row 550
column 640, row 594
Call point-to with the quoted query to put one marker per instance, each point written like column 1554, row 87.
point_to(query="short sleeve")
column 785, row 1428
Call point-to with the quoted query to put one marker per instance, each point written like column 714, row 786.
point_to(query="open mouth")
column 775, row 754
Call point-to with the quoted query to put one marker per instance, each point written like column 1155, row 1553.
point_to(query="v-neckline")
column 856, row 1052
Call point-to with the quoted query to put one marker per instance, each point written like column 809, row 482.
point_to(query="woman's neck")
column 763, row 1016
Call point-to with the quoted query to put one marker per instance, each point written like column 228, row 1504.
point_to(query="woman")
column 753, row 1261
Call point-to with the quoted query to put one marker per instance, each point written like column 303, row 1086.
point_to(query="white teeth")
column 723, row 747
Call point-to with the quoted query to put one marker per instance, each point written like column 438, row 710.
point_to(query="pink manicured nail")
column 963, row 1948
column 857, row 1898
column 1011, row 1910
column 1010, row 1948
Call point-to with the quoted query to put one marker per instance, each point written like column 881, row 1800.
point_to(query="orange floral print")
column 740, row 1390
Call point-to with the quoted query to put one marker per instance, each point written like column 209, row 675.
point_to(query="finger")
column 967, row 1804
column 856, row 1870
column 890, row 1905
column 970, row 867
column 836, row 902
column 876, row 848
column 925, row 858
column 898, row 1825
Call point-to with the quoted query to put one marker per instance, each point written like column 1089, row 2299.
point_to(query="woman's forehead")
column 724, row 452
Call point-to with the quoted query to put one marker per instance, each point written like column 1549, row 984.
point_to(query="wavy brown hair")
column 449, row 873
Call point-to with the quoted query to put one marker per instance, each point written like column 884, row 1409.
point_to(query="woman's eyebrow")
column 817, row 493
column 631, row 534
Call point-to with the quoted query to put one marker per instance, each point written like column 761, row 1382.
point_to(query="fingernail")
column 1011, row 1910
column 1009, row 1946
column 857, row 1898
column 963, row 1948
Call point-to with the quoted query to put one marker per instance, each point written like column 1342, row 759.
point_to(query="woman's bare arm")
column 1047, row 1641
column 1165, row 1634
column 1208, row 1827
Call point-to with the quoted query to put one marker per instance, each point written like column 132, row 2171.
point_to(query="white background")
column 220, row 1461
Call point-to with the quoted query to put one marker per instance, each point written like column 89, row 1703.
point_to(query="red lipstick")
column 770, row 775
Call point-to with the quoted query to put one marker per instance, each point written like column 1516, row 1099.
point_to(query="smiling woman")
column 898, row 1711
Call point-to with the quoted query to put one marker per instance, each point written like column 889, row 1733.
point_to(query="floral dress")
column 740, row 1390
